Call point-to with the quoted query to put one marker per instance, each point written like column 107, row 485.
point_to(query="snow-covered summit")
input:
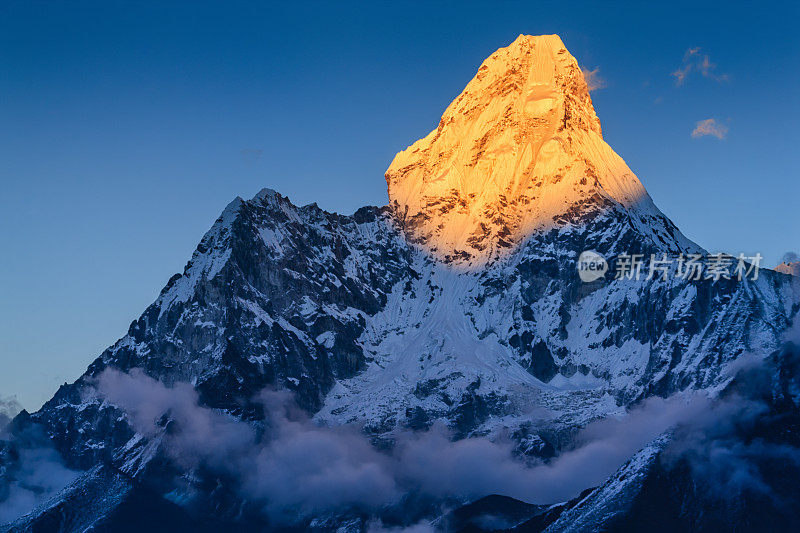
column 519, row 149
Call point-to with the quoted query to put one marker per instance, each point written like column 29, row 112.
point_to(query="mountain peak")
column 793, row 269
column 527, row 43
column 539, row 69
column 516, row 151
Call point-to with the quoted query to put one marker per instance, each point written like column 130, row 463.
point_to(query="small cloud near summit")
column 593, row 79
column 9, row 408
column 710, row 126
column 696, row 61
column 790, row 257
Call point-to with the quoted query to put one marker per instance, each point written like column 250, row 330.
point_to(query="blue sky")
column 126, row 127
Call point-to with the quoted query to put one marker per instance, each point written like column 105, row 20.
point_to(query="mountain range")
column 437, row 363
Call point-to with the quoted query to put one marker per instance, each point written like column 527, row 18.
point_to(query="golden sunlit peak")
column 516, row 150
column 553, row 41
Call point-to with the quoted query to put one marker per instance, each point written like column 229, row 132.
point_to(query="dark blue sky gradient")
column 126, row 127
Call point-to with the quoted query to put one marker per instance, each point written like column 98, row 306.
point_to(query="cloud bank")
column 297, row 468
column 293, row 468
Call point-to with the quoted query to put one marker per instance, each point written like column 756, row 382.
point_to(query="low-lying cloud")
column 35, row 477
column 297, row 467
column 294, row 468
column 727, row 446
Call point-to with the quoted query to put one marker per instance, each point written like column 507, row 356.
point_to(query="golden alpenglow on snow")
column 519, row 151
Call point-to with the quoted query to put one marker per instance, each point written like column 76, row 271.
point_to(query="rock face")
column 518, row 149
column 459, row 303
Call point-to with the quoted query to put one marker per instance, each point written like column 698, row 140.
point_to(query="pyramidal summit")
column 519, row 151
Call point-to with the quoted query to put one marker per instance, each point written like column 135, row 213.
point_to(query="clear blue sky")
column 126, row 127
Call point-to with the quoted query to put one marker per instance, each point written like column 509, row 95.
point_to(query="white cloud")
column 36, row 475
column 711, row 127
column 9, row 407
column 593, row 79
column 299, row 468
column 695, row 61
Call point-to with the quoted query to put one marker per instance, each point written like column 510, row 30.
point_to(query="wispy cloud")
column 694, row 60
column 32, row 470
column 9, row 407
column 593, row 79
column 300, row 468
column 710, row 126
